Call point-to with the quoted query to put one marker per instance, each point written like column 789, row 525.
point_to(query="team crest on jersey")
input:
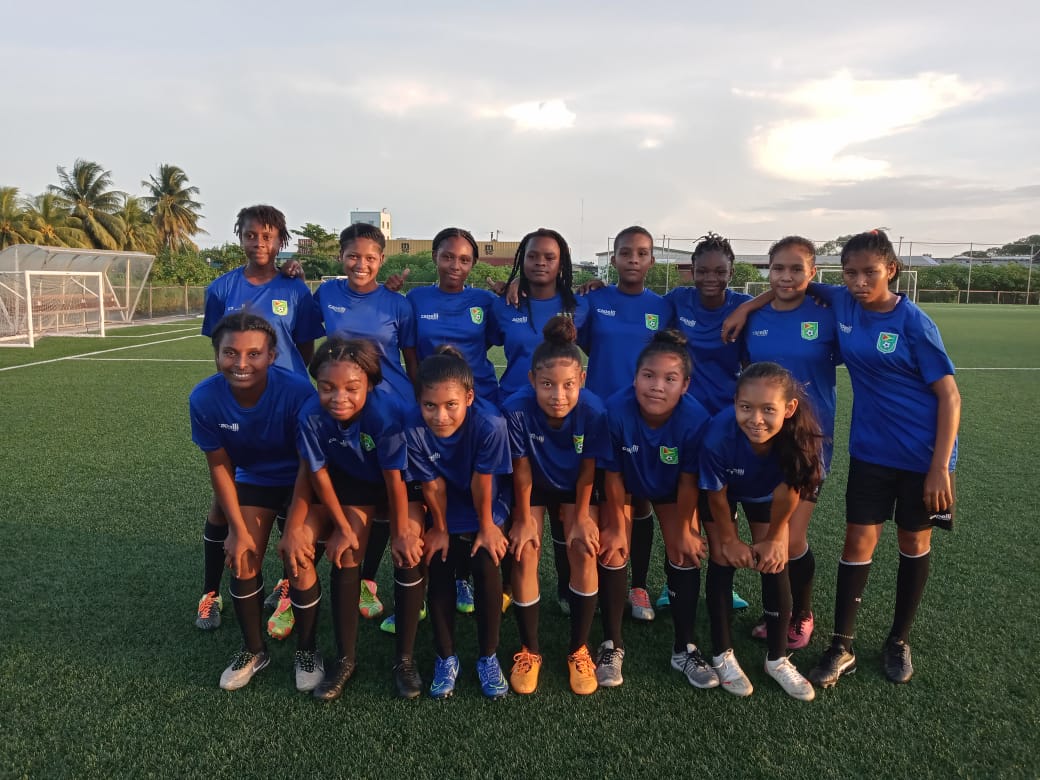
column 810, row 330
column 281, row 308
column 476, row 314
column 886, row 342
column 579, row 443
column 669, row 455
column 366, row 443
column 652, row 321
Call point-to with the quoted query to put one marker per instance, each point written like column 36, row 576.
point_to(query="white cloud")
column 534, row 115
column 649, row 143
column 842, row 111
column 396, row 97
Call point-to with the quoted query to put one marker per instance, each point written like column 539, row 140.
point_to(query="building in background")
column 380, row 219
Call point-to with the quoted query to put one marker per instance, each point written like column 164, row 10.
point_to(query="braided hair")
column 268, row 216
column 564, row 278
column 875, row 242
column 713, row 242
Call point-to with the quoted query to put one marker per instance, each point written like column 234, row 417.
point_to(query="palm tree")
column 13, row 226
column 173, row 208
column 139, row 235
column 86, row 191
column 49, row 216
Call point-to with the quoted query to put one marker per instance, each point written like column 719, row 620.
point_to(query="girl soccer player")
column 656, row 431
column 360, row 307
column 244, row 419
column 287, row 304
column 802, row 336
column 557, row 429
column 353, row 454
column 458, row 449
column 765, row 452
column 902, row 444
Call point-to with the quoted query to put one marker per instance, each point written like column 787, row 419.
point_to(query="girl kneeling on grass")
column 765, row 452
column 458, row 448
column 244, row 419
column 557, row 429
column 656, row 430
column 352, row 456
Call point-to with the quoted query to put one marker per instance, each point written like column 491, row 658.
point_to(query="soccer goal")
column 39, row 303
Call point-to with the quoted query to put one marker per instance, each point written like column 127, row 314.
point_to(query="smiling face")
column 261, row 243
column 454, row 261
column 790, row 272
column 444, row 406
column 660, row 383
column 711, row 274
column 342, row 389
column 867, row 276
column 557, row 384
column 244, row 357
column 761, row 409
column 362, row 258
column 633, row 256
column 542, row 265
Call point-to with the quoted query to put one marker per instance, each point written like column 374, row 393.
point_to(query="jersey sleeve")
column 308, row 436
column 828, row 293
column 493, row 334
column 391, row 450
column 203, row 433
column 214, row 307
column 518, row 440
column 493, row 455
column 407, row 333
column 610, row 460
column 712, row 468
column 419, row 468
column 928, row 350
column 308, row 325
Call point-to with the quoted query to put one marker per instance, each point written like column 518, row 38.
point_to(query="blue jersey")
column 651, row 459
column 728, row 463
column 370, row 444
column 519, row 332
column 716, row 364
column 285, row 303
column 805, row 342
column 893, row 358
column 259, row 440
column 480, row 446
column 381, row 316
column 618, row 328
column 462, row 319
column 556, row 454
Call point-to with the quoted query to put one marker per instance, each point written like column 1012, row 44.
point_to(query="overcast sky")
column 754, row 120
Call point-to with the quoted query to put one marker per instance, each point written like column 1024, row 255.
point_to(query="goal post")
column 39, row 303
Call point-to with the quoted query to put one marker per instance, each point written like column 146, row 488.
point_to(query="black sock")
column 718, row 595
column 560, row 559
column 345, row 585
column 776, row 603
column 802, row 571
column 642, row 546
column 583, row 611
column 612, row 594
column 910, row 582
column 378, row 538
column 213, row 558
column 409, row 591
column 852, row 581
column 440, row 596
column 527, row 624
column 305, row 610
column 684, row 589
column 487, row 601
column 248, row 598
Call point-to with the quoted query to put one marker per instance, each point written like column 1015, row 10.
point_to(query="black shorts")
column 549, row 497
column 876, row 493
column 414, row 491
column 755, row 512
column 274, row 497
column 357, row 492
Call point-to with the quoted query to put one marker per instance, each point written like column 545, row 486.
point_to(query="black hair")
column 265, row 215
column 713, row 242
column 633, row 230
column 668, row 342
column 560, row 336
column 240, row 322
column 454, row 232
column 799, row 444
column 362, row 352
column 793, row 242
column 361, row 230
column 875, row 242
column 446, row 364
column 564, row 278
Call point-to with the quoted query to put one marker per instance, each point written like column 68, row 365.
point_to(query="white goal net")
column 39, row 303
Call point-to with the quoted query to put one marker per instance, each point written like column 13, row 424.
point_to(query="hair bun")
column 670, row 336
column 450, row 350
column 560, row 330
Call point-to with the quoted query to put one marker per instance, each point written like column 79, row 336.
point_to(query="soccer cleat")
column 582, row 671
column 608, row 665
column 524, row 675
column 835, row 662
column 407, row 679
column 739, row 602
column 370, row 606
column 697, row 670
column 279, row 592
column 507, row 600
column 207, row 617
column 463, row 597
column 281, row 623
column 244, row 665
column 800, row 632
column 731, row 677
column 331, row 687
column 790, row 679
column 492, row 681
column 389, row 624
column 664, row 601
column 895, row 659
column 640, row 601
column 309, row 669
column 760, row 631
column 445, row 671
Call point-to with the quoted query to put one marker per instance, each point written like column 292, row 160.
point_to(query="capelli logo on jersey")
column 763, row 332
column 735, row 472
column 810, row 330
column 281, row 308
column 606, row 312
column 632, row 450
column 434, row 456
column 579, row 443
column 337, row 309
column 886, row 342
column 337, row 440
column 669, row 455
column 537, row 437
column 688, row 322
column 519, row 319
column 434, row 316
column 366, row 443
column 845, row 328
column 233, row 427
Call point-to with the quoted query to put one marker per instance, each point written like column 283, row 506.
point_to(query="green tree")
column 184, row 267
column 743, row 273
column 14, row 229
column 172, row 207
column 49, row 216
column 224, row 258
column 1024, row 246
column 139, row 233
column 86, row 189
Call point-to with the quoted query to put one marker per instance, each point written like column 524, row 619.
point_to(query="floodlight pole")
column 1029, row 276
column 971, row 257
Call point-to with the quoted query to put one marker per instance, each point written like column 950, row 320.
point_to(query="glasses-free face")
column 761, row 409
column 632, row 258
column 342, row 389
column 790, row 272
column 542, row 262
column 243, row 358
column 867, row 276
column 711, row 274
column 454, row 260
column 261, row 243
column 362, row 258
column 557, row 385
column 660, row 383
column 444, row 406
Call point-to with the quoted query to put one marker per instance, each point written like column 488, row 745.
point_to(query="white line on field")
column 140, row 360
column 997, row 368
column 98, row 352
column 156, row 333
